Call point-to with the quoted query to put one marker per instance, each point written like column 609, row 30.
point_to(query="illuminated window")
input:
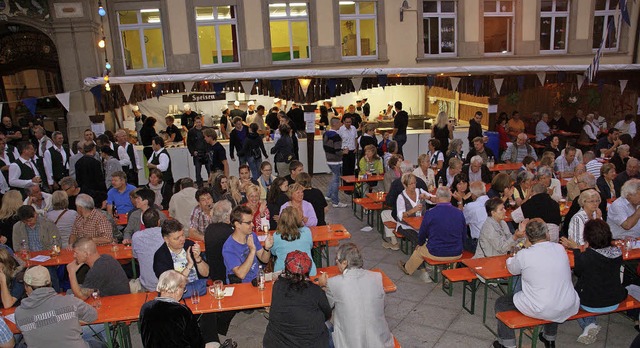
column 358, row 29
column 217, row 35
column 289, row 30
column 439, row 27
column 141, row 33
column 554, row 25
column 498, row 26
column 606, row 15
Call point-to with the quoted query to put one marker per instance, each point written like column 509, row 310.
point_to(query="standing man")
column 118, row 194
column 46, row 318
column 13, row 133
column 8, row 155
column 128, row 156
column 188, row 118
column 332, row 145
column 216, row 154
column 236, row 140
column 400, row 123
column 236, row 112
column 475, row 128
column 139, row 118
column 251, row 109
column 24, row 170
column 349, row 134
column 225, row 125
column 161, row 160
column 198, row 149
column 56, row 161
column 296, row 115
column 89, row 170
column 258, row 118
column 366, row 108
column 44, row 142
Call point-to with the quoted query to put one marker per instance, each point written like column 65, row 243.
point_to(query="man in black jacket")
column 296, row 115
column 478, row 148
column 477, row 171
column 475, row 128
column 56, row 161
column 198, row 148
column 89, row 170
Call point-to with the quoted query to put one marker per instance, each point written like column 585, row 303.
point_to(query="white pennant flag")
column 126, row 90
column 304, row 84
column 63, row 98
column 357, row 83
column 623, row 85
column 188, row 85
column 541, row 77
column 454, row 82
column 580, row 79
column 247, row 86
column 498, row 83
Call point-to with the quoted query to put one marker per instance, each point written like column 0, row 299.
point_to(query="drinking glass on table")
column 97, row 303
column 217, row 289
column 195, row 298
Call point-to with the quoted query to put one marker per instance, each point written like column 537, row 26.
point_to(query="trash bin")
column 493, row 143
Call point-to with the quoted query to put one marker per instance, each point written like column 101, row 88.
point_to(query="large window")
column 358, row 29
column 289, row 29
column 554, row 24
column 498, row 27
column 141, row 33
column 217, row 36
column 606, row 15
column 439, row 27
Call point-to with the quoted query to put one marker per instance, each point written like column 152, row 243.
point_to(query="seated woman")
column 393, row 173
column 313, row 196
column 501, row 187
column 460, row 194
column 410, row 204
column 276, row 198
column 495, row 236
column 597, row 266
column 436, row 158
column 424, row 171
column 589, row 201
column 291, row 235
column 258, row 208
column 454, row 150
column 621, row 157
column 234, row 192
column 299, row 308
column 296, row 194
column 218, row 186
column 370, row 164
column 62, row 216
column 522, row 188
column 201, row 215
column 605, row 181
column 11, row 288
column 265, row 179
column 162, row 190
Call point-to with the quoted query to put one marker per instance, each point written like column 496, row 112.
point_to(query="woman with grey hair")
column 62, row 216
column 214, row 237
column 522, row 188
column 620, row 158
column 164, row 322
column 623, row 214
column 544, row 175
column 454, row 150
column 357, row 298
column 589, row 201
column 495, row 236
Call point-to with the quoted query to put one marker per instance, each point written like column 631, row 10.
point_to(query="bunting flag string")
column 431, row 80
column 498, row 83
column 477, row 85
column 30, row 103
column 332, row 84
column 247, row 86
column 188, row 86
column 126, row 90
column 520, row 80
column 357, row 83
column 454, row 82
column 541, row 77
column 382, row 81
column 63, row 98
column 592, row 70
column 580, row 80
column 218, row 87
column 623, row 85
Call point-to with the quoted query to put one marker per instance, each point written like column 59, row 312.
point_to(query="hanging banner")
column 126, row 90
column 520, row 80
column 247, row 86
column 201, row 97
column 454, row 82
column 382, row 81
column 332, row 84
column 431, row 80
column 63, row 98
column 304, row 85
column 580, row 79
column 477, row 85
column 357, row 83
column 30, row 103
column 188, row 86
column 541, row 76
column 498, row 83
column 623, row 85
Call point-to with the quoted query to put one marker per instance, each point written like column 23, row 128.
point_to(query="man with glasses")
column 242, row 250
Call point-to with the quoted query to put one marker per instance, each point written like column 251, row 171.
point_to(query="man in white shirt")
column 8, row 155
column 591, row 164
column 56, row 161
column 40, row 201
column 128, row 157
column 566, row 163
column 547, row 290
column 542, row 128
column 475, row 213
column 348, row 133
column 161, row 160
column 44, row 142
column 627, row 126
column 623, row 213
column 24, row 170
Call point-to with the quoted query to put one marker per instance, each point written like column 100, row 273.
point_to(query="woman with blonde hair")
column 11, row 201
column 454, row 150
column 234, row 194
column 11, row 289
column 371, row 164
column 291, row 235
column 442, row 130
column 296, row 196
column 258, row 207
column 62, row 216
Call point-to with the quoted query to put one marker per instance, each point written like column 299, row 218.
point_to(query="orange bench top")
column 459, row 274
column 465, row 255
column 516, row 320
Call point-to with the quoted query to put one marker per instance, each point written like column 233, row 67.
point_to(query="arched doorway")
column 29, row 68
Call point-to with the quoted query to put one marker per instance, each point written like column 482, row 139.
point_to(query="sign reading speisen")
column 201, row 97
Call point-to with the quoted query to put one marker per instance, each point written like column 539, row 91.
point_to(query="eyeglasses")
column 246, row 222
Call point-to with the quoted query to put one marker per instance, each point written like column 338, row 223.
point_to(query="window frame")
column 552, row 15
column 141, row 27
column 440, row 15
column 606, row 13
column 357, row 17
column 511, row 42
column 215, row 22
column 289, row 19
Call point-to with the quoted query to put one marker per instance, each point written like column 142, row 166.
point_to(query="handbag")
column 198, row 286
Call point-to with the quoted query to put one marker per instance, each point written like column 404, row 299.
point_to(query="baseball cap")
column 236, row 103
column 251, row 103
column 224, row 108
column 298, row 262
column 37, row 276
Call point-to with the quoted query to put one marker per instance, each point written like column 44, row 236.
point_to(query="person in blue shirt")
column 242, row 250
column 291, row 235
column 118, row 194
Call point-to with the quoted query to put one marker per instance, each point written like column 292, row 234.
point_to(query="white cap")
column 358, row 100
column 135, row 108
column 251, row 103
column 186, row 107
column 276, row 100
column 390, row 103
column 327, row 101
column 224, row 108
column 236, row 103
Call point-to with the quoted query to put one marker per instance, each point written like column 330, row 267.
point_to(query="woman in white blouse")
column 589, row 201
column 410, row 203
